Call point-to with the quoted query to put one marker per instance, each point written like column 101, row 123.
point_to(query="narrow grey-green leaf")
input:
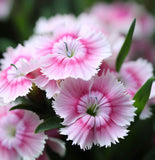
column 142, row 95
column 51, row 123
column 125, row 47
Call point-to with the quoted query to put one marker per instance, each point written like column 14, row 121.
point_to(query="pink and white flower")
column 91, row 20
column 13, row 82
column 134, row 74
column 97, row 111
column 16, row 79
column 48, row 26
column 120, row 15
column 13, row 55
column 75, row 52
column 18, row 139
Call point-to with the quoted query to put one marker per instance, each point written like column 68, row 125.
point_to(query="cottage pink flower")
column 18, row 139
column 120, row 15
column 48, row 26
column 97, row 111
column 13, row 82
column 75, row 52
column 86, row 19
column 13, row 55
column 135, row 73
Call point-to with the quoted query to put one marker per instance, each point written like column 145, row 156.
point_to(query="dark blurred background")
column 24, row 13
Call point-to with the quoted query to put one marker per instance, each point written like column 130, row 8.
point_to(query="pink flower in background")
column 134, row 74
column 120, row 15
column 18, row 139
column 90, row 20
column 5, row 8
column 48, row 26
column 75, row 52
column 97, row 111
column 55, row 144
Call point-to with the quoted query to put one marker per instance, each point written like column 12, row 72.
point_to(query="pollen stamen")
column 69, row 54
column 14, row 66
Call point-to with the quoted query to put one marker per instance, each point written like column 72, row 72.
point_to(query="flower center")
column 69, row 53
column 69, row 47
column 92, row 106
column 11, row 131
column 94, row 103
column 13, row 75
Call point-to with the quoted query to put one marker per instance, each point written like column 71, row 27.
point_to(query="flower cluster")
column 73, row 60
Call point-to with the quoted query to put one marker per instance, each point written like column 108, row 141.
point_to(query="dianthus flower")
column 120, row 15
column 18, row 139
column 20, row 68
column 97, row 111
column 134, row 74
column 48, row 26
column 73, row 52
column 13, row 82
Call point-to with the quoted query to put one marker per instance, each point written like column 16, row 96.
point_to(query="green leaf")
column 142, row 95
column 51, row 123
column 25, row 106
column 125, row 47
